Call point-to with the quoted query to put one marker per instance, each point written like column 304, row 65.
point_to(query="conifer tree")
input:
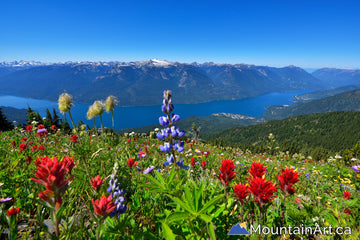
column 64, row 126
column 55, row 119
column 33, row 116
column 5, row 125
column 49, row 120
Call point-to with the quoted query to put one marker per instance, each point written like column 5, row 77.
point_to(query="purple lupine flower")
column 169, row 160
column 308, row 176
column 41, row 130
column 356, row 168
column 181, row 133
column 159, row 170
column 174, row 130
column 2, row 200
column 164, row 121
column 181, row 164
column 179, row 146
column 167, row 94
column 148, row 170
column 163, row 133
column 175, row 118
column 112, row 184
column 117, row 196
column 160, row 136
column 166, row 147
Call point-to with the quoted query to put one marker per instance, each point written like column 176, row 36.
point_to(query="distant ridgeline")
column 139, row 83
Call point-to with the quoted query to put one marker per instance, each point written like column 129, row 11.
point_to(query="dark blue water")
column 126, row 117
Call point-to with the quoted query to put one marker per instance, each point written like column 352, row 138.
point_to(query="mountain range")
column 139, row 83
column 346, row 101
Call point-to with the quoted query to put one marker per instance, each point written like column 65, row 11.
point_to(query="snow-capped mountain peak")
column 159, row 63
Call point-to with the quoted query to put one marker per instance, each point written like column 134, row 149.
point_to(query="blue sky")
column 308, row 34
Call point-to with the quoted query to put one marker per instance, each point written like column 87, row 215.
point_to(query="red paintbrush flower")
column 51, row 174
column 103, row 207
column 24, row 139
column 29, row 128
column 131, row 163
column 192, row 162
column 96, row 182
column 262, row 190
column 257, row 170
column 12, row 211
column 287, row 178
column 22, row 147
column 227, row 172
column 54, row 128
column 347, row 195
column 13, row 143
column 241, row 191
column 203, row 164
column 74, row 138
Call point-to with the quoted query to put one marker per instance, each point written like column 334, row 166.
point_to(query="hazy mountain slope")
column 306, row 97
column 14, row 114
column 348, row 101
column 333, row 77
column 48, row 82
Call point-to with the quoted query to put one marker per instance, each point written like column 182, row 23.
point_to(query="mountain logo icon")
column 238, row 230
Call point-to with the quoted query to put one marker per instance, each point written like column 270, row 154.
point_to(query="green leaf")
column 219, row 211
column 211, row 203
column 206, row 218
column 211, row 231
column 189, row 198
column 158, row 175
column 182, row 204
column 155, row 181
column 167, row 232
column 177, row 216
column 198, row 196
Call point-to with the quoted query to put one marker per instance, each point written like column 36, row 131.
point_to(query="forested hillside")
column 322, row 133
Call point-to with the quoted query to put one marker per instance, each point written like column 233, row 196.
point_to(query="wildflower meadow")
column 95, row 184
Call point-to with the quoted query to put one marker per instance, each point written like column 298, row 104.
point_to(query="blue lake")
column 127, row 117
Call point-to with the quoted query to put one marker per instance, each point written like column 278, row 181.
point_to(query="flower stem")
column 113, row 122
column 57, row 225
column 102, row 127
column 283, row 211
column 225, row 193
column 95, row 126
column 72, row 121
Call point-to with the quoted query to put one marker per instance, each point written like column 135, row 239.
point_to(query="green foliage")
column 33, row 116
column 317, row 135
column 165, row 205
